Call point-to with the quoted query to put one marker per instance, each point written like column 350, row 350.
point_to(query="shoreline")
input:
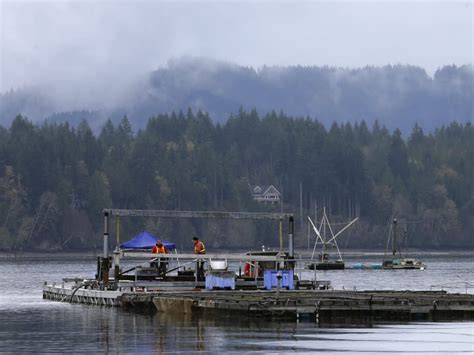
column 48, row 255
column 91, row 254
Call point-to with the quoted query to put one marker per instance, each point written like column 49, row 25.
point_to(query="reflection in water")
column 30, row 324
column 76, row 328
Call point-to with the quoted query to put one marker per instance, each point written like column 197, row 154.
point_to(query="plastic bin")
column 220, row 280
column 270, row 279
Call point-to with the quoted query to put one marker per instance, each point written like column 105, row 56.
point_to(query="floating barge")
column 328, row 307
column 278, row 293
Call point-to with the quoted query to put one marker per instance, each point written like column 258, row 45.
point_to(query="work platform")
column 340, row 307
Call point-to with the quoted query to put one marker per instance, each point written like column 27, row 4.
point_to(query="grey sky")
column 113, row 42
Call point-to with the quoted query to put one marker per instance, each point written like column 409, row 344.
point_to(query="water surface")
column 31, row 324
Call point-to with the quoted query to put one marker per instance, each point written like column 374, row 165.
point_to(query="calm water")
column 30, row 324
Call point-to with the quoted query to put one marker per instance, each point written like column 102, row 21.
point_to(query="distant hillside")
column 398, row 96
column 55, row 180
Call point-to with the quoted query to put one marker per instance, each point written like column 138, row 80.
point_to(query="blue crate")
column 220, row 280
column 270, row 279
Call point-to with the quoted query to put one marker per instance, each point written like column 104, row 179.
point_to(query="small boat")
column 404, row 263
column 400, row 262
column 324, row 261
column 327, row 264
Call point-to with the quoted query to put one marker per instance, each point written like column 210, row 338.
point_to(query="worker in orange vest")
column 159, row 248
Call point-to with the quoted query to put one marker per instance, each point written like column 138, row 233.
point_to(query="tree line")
column 55, row 179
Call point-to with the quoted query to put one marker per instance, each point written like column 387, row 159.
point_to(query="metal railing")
column 465, row 285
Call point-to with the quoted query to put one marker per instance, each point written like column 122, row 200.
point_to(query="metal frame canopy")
column 117, row 213
column 197, row 214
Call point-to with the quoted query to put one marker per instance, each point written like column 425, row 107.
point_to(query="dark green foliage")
column 54, row 179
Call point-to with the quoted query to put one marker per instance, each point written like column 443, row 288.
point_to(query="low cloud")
column 91, row 51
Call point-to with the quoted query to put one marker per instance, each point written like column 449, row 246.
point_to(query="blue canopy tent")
column 146, row 240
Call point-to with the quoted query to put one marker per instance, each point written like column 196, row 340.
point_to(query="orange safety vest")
column 159, row 250
column 199, row 248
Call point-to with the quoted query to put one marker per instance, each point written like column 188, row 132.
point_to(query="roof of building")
column 264, row 189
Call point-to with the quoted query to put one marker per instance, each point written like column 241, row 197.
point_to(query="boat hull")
column 403, row 264
column 327, row 266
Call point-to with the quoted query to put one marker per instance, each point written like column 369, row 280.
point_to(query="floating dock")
column 350, row 307
column 341, row 307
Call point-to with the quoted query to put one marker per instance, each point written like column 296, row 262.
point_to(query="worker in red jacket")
column 200, row 249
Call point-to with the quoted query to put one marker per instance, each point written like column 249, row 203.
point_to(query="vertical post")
column 106, row 234
column 314, row 281
column 324, row 220
column 116, row 267
column 290, row 237
column 117, row 253
column 105, row 260
column 196, row 276
column 281, row 234
column 309, row 234
column 117, row 230
column 394, row 240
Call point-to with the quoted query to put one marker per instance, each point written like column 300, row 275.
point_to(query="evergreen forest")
column 56, row 178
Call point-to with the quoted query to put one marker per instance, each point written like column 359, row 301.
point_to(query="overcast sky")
column 110, row 41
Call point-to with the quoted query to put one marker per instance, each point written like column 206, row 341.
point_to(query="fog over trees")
column 55, row 178
column 397, row 96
